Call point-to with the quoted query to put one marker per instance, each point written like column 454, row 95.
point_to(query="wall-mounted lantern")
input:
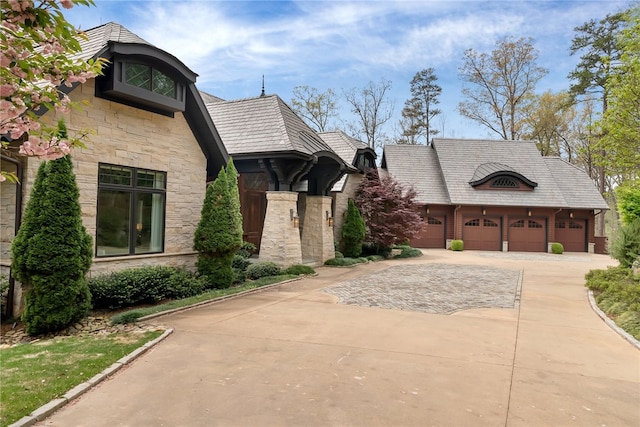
column 484, row 210
column 426, row 209
column 294, row 218
column 329, row 218
column 528, row 212
column 570, row 214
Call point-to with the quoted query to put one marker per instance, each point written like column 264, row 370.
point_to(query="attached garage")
column 482, row 234
column 432, row 233
column 527, row 235
column 572, row 234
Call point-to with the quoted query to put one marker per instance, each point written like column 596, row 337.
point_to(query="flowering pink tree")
column 37, row 57
column 388, row 209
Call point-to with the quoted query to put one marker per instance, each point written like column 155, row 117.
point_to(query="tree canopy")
column 419, row 110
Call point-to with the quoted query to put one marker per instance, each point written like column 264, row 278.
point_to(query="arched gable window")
column 504, row 182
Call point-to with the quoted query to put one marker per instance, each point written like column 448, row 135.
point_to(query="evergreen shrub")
column 557, row 248
column 262, row 269
column 626, row 246
column 457, row 245
column 353, row 231
column 299, row 269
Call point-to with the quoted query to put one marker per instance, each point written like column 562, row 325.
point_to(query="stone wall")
column 317, row 235
column 7, row 214
column 127, row 136
column 280, row 238
column 341, row 202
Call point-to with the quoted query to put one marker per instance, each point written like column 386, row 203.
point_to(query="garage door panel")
column 482, row 234
column 431, row 234
column 572, row 234
column 527, row 235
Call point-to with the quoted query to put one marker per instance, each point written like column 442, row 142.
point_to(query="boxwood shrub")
column 143, row 285
column 262, row 269
column 557, row 248
column 299, row 269
column 457, row 245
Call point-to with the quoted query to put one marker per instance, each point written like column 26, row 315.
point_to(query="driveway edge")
column 49, row 408
column 624, row 334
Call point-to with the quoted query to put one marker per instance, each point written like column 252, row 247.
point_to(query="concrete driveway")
column 536, row 355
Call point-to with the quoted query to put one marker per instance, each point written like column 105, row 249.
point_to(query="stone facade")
column 127, row 136
column 280, row 238
column 317, row 236
column 341, row 202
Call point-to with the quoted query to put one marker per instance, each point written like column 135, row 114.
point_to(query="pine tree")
column 217, row 238
column 353, row 231
column 58, row 255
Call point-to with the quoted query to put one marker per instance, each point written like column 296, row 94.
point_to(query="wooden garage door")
column 527, row 235
column 482, row 234
column 572, row 234
column 431, row 234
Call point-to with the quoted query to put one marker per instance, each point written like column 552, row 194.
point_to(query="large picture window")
column 131, row 211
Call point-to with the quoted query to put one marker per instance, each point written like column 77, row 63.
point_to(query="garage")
column 572, row 234
column 431, row 234
column 482, row 234
column 527, row 235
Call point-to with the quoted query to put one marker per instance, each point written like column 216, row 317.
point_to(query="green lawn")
column 33, row 374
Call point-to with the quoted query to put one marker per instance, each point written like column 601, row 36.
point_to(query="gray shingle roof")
column 98, row 38
column 452, row 164
column 417, row 165
column 263, row 124
column 576, row 186
column 344, row 146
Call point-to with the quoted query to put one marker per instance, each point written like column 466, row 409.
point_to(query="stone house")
column 142, row 176
column 497, row 195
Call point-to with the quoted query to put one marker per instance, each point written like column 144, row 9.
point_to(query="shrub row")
column 617, row 292
column 143, row 285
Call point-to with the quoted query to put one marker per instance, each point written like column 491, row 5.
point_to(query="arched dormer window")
column 496, row 176
column 144, row 77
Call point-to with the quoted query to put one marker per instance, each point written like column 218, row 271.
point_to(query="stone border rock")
column 45, row 410
column 624, row 334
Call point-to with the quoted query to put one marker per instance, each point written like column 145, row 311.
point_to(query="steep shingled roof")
column 264, row 124
column 442, row 174
column 417, row 165
column 344, row 146
column 99, row 37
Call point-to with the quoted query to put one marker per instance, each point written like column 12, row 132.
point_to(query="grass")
column 617, row 293
column 136, row 313
column 34, row 374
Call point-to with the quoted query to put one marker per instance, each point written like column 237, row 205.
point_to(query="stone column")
column 280, row 238
column 317, row 235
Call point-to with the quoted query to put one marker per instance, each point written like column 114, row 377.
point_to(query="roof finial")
column 262, row 94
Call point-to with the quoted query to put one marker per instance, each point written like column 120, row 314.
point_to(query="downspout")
column 17, row 222
column 455, row 223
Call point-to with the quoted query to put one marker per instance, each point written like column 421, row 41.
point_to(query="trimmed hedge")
column 299, row 269
column 143, row 285
column 557, row 248
column 345, row 262
column 262, row 269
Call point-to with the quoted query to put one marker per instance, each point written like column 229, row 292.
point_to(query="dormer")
column 497, row 176
column 145, row 77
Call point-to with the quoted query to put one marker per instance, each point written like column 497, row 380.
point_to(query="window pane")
column 115, row 175
column 149, row 222
column 113, row 222
column 138, row 75
column 163, row 84
column 150, row 179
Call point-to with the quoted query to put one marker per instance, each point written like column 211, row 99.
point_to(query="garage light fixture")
column 484, row 210
column 528, row 212
column 294, row 218
column 329, row 218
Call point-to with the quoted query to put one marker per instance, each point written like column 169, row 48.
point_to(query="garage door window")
column 534, row 224
column 473, row 223
column 517, row 224
column 489, row 223
column 433, row 221
column 575, row 225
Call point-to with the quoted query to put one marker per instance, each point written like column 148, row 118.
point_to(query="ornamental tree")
column 388, row 209
column 217, row 238
column 353, row 231
column 38, row 50
column 53, row 252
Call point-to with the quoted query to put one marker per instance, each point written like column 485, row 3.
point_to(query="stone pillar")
column 317, row 235
column 505, row 246
column 280, row 238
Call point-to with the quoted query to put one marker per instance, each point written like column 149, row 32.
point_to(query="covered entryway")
column 482, row 234
column 572, row 234
column 528, row 235
column 432, row 233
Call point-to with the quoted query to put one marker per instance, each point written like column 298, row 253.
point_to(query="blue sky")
column 342, row 44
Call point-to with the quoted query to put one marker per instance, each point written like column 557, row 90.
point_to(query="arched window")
column 504, row 182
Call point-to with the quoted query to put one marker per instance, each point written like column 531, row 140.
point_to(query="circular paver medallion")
column 433, row 288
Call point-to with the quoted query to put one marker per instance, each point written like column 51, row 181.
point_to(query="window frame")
column 134, row 192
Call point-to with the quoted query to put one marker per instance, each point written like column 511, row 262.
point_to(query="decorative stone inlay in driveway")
column 433, row 288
